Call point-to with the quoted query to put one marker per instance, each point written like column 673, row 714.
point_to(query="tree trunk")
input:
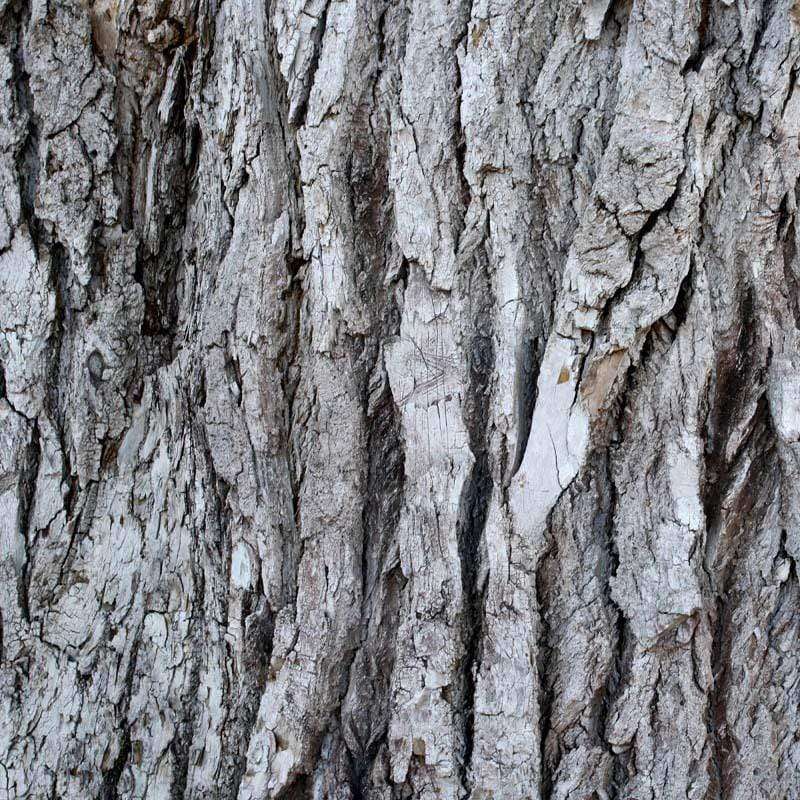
column 399, row 399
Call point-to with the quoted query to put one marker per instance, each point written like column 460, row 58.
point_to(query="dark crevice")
column 620, row 665
column 788, row 587
column 683, row 300
column 787, row 234
column 80, row 519
column 460, row 150
column 526, row 387
column 476, row 494
column 289, row 363
column 368, row 725
column 695, row 60
column 380, row 47
column 474, row 507
column 300, row 787
column 729, row 524
column 730, row 406
column 161, row 271
column 144, row 125
column 258, row 644
column 636, row 242
column 381, row 587
column 365, row 724
column 725, row 513
column 722, row 746
column 371, row 665
column 27, row 157
column 59, row 281
column 548, row 740
column 28, row 169
column 59, row 354
column 111, row 779
column 181, row 744
column 298, row 117
column 244, row 691
column 233, row 371
column 27, row 501
column 764, row 18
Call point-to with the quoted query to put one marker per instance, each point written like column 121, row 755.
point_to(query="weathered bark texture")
column 400, row 399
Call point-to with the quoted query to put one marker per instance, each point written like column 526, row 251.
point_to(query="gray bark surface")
column 399, row 399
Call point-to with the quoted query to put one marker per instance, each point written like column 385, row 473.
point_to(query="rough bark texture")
column 399, row 399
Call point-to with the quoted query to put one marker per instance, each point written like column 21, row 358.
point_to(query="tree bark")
column 399, row 399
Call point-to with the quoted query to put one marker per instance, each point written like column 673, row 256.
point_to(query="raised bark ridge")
column 399, row 400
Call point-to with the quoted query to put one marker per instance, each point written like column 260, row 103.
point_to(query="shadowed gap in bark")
column 635, row 246
column 381, row 589
column 27, row 502
column 728, row 527
column 766, row 9
column 181, row 744
column 788, row 234
column 365, row 725
column 548, row 743
column 27, row 158
column 59, row 354
column 604, row 530
column 733, row 370
column 245, row 694
column 526, row 378
column 298, row 117
column 111, row 779
column 474, row 507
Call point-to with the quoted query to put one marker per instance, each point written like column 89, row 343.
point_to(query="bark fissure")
column 474, row 507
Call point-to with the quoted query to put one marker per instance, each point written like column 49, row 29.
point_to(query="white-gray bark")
column 399, row 399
